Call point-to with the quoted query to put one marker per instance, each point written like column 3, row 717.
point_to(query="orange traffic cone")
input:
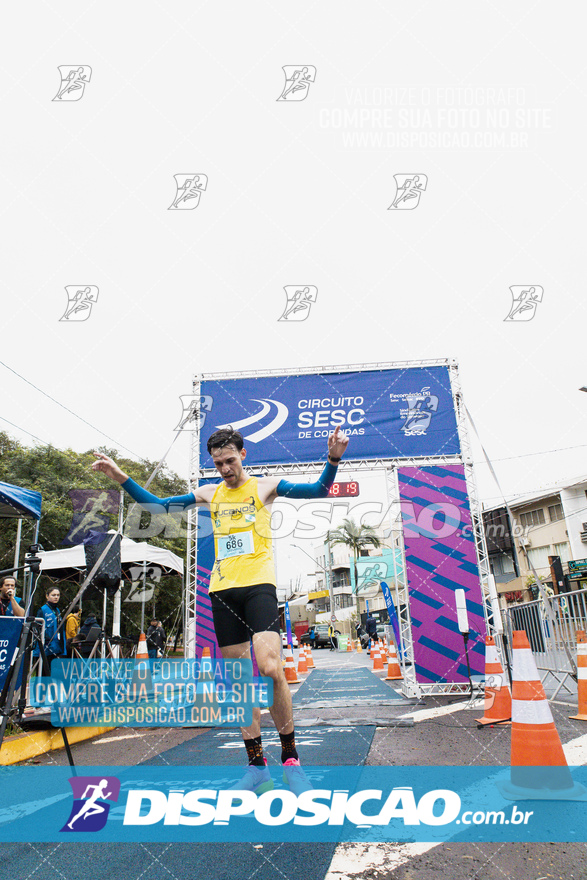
column 359, row 648
column 383, row 652
column 206, row 652
column 290, row 669
column 141, row 686
column 581, row 676
column 393, row 668
column 498, row 700
column 309, row 659
column 302, row 665
column 349, row 644
column 539, row 769
column 142, row 650
column 377, row 662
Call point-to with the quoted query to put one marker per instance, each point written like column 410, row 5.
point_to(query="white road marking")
column 576, row 751
column 425, row 714
column 351, row 860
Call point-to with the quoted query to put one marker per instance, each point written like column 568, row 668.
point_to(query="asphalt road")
column 404, row 734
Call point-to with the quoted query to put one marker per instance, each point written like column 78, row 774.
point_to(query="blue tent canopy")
column 17, row 502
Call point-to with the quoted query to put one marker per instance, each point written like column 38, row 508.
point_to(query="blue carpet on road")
column 350, row 686
column 316, row 746
column 212, row 861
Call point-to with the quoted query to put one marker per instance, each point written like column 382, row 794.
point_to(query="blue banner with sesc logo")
column 388, row 413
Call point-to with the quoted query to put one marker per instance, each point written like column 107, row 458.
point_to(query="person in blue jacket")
column 54, row 641
column 10, row 604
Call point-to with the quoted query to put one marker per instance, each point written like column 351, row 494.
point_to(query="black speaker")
column 109, row 572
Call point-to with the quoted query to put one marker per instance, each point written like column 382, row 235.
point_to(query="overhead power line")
column 70, row 411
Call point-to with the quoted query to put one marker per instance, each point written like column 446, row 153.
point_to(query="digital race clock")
column 344, row 490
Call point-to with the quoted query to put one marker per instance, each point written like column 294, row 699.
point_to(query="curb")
column 30, row 745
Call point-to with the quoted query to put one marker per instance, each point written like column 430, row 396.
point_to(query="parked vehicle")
column 294, row 639
column 321, row 638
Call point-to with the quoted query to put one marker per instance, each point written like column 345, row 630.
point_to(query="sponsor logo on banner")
column 74, row 79
column 418, row 413
column 299, row 302
column 525, row 301
column 79, row 302
column 281, row 414
column 90, row 805
column 188, row 189
column 297, row 82
column 409, row 190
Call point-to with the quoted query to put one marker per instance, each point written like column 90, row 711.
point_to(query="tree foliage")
column 54, row 472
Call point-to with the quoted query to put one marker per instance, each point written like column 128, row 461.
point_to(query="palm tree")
column 356, row 537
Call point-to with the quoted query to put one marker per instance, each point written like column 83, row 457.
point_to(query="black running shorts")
column 242, row 611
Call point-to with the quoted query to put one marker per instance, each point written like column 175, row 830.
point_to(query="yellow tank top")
column 242, row 538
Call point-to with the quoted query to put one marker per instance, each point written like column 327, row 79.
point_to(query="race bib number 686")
column 237, row 544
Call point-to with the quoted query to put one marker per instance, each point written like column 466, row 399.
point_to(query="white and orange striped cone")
column 383, row 652
column 349, row 645
column 498, row 700
column 309, row 659
column 141, row 686
column 290, row 667
column 581, row 676
column 302, row 665
column 393, row 668
column 142, row 650
column 539, row 769
column 359, row 647
column 377, row 662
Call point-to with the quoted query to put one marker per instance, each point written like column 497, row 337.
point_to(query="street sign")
column 333, row 618
column 577, row 567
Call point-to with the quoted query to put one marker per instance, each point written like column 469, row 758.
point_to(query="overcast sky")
column 298, row 192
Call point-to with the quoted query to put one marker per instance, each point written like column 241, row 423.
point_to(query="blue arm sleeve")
column 309, row 490
column 142, row 497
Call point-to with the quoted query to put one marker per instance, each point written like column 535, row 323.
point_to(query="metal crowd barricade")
column 552, row 633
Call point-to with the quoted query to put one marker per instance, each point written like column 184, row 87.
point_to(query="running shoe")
column 256, row 779
column 294, row 776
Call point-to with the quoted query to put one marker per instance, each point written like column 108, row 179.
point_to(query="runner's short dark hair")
column 225, row 437
column 8, row 577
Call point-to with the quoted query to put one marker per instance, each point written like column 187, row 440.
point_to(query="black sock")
column 254, row 749
column 288, row 746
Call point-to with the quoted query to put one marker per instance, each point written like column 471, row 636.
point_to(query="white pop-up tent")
column 131, row 552
column 61, row 564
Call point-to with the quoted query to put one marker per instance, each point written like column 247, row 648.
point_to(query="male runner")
column 242, row 584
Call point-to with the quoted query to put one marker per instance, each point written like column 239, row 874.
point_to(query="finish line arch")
column 405, row 418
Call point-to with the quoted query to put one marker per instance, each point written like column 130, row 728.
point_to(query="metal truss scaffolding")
column 410, row 687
